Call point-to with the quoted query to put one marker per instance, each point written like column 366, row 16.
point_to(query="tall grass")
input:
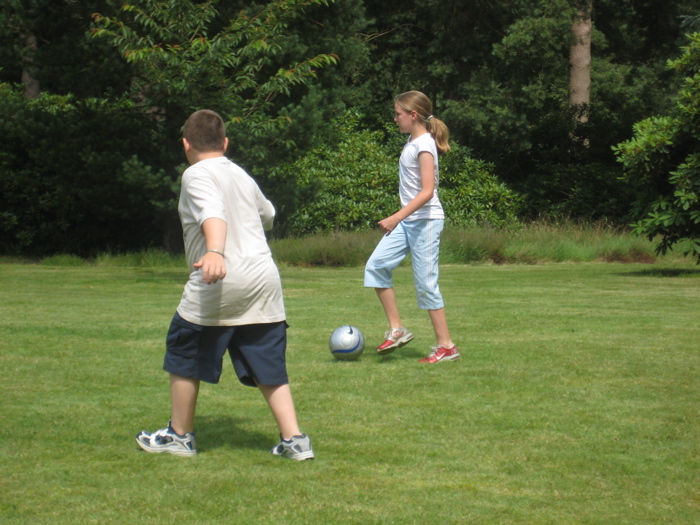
column 151, row 257
column 543, row 242
column 534, row 243
column 335, row 249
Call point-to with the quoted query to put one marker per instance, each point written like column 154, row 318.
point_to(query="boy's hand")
column 213, row 267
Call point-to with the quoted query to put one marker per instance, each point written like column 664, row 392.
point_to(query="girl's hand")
column 389, row 224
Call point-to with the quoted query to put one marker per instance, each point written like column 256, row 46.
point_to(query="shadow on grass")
column 665, row 272
column 223, row 431
column 412, row 353
column 369, row 355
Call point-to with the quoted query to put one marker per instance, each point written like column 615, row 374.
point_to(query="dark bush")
column 77, row 177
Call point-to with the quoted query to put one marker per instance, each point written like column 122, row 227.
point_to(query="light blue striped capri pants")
column 420, row 238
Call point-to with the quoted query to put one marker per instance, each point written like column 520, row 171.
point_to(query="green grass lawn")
column 576, row 401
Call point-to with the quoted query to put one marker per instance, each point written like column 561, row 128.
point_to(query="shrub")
column 587, row 191
column 471, row 194
column 662, row 164
column 71, row 183
column 351, row 182
column 345, row 185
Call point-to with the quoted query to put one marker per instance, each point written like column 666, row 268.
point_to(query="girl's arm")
column 427, row 177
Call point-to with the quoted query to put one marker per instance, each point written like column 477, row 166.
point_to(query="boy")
column 233, row 299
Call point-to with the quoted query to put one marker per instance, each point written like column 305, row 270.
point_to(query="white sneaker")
column 298, row 448
column 167, row 440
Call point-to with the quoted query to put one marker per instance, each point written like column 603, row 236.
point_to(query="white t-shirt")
column 409, row 177
column 251, row 292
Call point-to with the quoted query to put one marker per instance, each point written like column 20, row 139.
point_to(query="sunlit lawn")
column 576, row 401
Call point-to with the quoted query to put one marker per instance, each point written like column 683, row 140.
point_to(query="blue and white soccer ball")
column 347, row 343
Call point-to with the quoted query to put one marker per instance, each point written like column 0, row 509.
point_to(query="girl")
column 415, row 228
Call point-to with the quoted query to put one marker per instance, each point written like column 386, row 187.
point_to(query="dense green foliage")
column 71, row 181
column 66, row 58
column 513, row 108
column 498, row 70
column 351, row 182
column 282, row 72
column 472, row 195
column 186, row 57
column 345, row 183
column 662, row 161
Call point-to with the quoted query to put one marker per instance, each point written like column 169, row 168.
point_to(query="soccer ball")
column 347, row 343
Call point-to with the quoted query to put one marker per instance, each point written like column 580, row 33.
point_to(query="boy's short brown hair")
column 205, row 131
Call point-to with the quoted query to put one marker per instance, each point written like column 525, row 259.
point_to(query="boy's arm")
column 266, row 211
column 212, row 262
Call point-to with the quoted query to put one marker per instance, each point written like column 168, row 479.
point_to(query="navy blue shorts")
column 257, row 351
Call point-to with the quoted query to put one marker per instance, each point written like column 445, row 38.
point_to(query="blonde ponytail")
column 438, row 129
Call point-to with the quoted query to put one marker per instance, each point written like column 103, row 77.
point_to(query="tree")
column 185, row 57
column 514, row 108
column 430, row 45
column 32, row 86
column 580, row 60
column 71, row 183
column 20, row 27
column 662, row 162
column 45, row 46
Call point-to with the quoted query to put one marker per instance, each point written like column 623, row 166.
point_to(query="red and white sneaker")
column 440, row 353
column 394, row 338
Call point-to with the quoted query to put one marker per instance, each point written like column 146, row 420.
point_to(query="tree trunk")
column 32, row 88
column 580, row 60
